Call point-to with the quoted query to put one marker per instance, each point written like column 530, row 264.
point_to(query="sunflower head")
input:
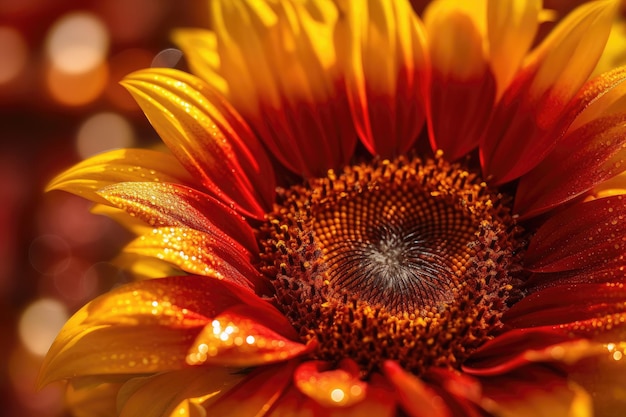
column 365, row 211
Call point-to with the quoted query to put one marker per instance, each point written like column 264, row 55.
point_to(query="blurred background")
column 60, row 102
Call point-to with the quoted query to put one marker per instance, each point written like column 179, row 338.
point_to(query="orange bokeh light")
column 77, row 89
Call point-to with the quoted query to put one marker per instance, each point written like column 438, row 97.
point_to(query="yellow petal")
column 137, row 328
column 177, row 393
column 97, row 398
column 614, row 54
column 537, row 108
column 604, row 376
column 133, row 224
column 566, row 58
column 120, row 165
column 140, row 268
column 200, row 49
column 511, row 28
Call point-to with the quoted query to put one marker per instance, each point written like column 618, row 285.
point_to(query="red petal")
column 566, row 304
column 460, row 392
column 586, row 234
column 520, row 347
column 538, row 281
column 582, row 159
column 256, row 394
column 416, row 397
column 459, row 111
column 200, row 253
column 174, row 205
column 539, row 105
column 535, row 391
column 207, row 135
column 245, row 336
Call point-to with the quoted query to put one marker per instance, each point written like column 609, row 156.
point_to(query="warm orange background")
column 53, row 253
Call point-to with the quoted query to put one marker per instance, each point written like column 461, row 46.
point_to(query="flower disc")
column 407, row 260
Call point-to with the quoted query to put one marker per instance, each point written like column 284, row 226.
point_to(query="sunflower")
column 365, row 212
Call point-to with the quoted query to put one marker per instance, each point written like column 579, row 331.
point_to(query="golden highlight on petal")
column 121, row 165
column 179, row 393
column 239, row 337
column 173, row 205
column 337, row 387
column 198, row 253
column 207, row 135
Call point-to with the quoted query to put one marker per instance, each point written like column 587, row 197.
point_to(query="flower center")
column 407, row 260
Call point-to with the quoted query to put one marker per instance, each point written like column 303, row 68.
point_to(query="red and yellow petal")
column 590, row 153
column 199, row 253
column 604, row 377
column 463, row 87
column 416, row 397
column 246, row 336
column 121, row 165
column 173, row 205
column 281, row 67
column 535, row 391
column 255, row 394
column 531, row 116
column 587, row 234
column 387, row 70
column 207, row 135
column 511, row 29
column 143, row 327
column 176, row 393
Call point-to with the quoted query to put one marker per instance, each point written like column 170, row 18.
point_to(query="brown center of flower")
column 407, row 260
